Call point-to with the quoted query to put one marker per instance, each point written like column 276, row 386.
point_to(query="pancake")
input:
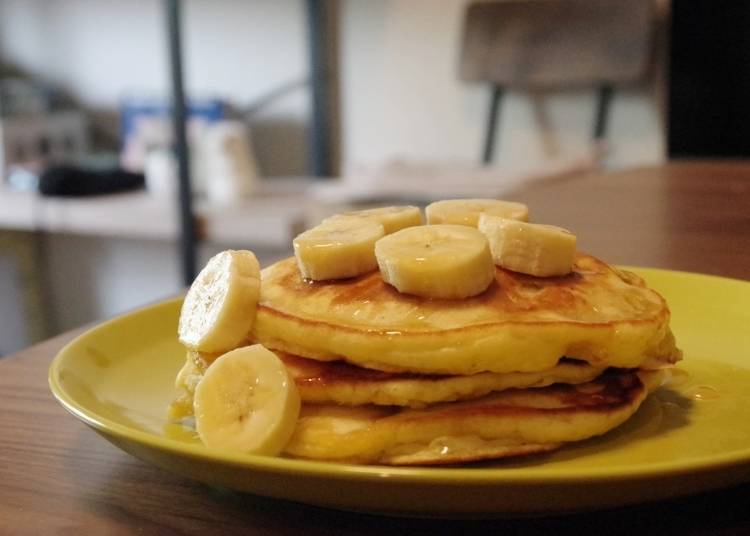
column 528, row 365
column 342, row 383
column 509, row 423
column 598, row 314
column 346, row 384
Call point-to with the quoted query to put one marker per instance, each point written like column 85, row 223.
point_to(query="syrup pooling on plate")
column 704, row 392
column 681, row 380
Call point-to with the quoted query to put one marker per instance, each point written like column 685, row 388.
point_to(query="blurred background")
column 294, row 109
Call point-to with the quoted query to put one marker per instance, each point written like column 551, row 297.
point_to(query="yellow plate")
column 693, row 436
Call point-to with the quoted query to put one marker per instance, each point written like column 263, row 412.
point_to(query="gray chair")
column 556, row 44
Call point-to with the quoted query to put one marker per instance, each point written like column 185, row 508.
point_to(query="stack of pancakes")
column 526, row 366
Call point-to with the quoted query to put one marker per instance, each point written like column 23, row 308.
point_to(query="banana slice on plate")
column 467, row 211
column 185, row 383
column 392, row 218
column 338, row 249
column 219, row 308
column 436, row 261
column 247, row 402
column 529, row 248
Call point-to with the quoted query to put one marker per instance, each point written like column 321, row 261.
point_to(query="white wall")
column 401, row 96
column 103, row 50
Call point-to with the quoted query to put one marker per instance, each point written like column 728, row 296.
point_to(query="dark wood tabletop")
column 59, row 477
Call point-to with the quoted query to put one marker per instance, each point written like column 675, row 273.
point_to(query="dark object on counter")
column 72, row 181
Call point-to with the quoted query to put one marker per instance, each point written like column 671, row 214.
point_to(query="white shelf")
column 270, row 219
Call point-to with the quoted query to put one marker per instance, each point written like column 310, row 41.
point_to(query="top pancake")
column 519, row 324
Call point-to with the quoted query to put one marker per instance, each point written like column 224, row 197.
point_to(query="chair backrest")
column 557, row 44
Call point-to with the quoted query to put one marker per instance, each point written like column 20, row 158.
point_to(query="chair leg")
column 491, row 134
column 604, row 97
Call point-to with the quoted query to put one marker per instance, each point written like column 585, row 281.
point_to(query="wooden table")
column 57, row 476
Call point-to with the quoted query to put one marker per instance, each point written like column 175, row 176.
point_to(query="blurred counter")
column 67, row 261
column 269, row 219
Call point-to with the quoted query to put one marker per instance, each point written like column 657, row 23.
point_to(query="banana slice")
column 219, row 309
column 185, row 383
column 338, row 249
column 436, row 261
column 392, row 218
column 529, row 248
column 247, row 402
column 467, row 211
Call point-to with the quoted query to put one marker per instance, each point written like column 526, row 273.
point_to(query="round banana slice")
column 467, row 211
column 247, row 402
column 436, row 261
column 529, row 248
column 392, row 218
column 338, row 249
column 219, row 309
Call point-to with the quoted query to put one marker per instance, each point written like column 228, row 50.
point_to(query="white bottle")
column 229, row 162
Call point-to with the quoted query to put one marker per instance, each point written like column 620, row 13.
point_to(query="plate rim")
column 477, row 475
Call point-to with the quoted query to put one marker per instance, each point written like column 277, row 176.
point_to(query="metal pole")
column 320, row 127
column 187, row 221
